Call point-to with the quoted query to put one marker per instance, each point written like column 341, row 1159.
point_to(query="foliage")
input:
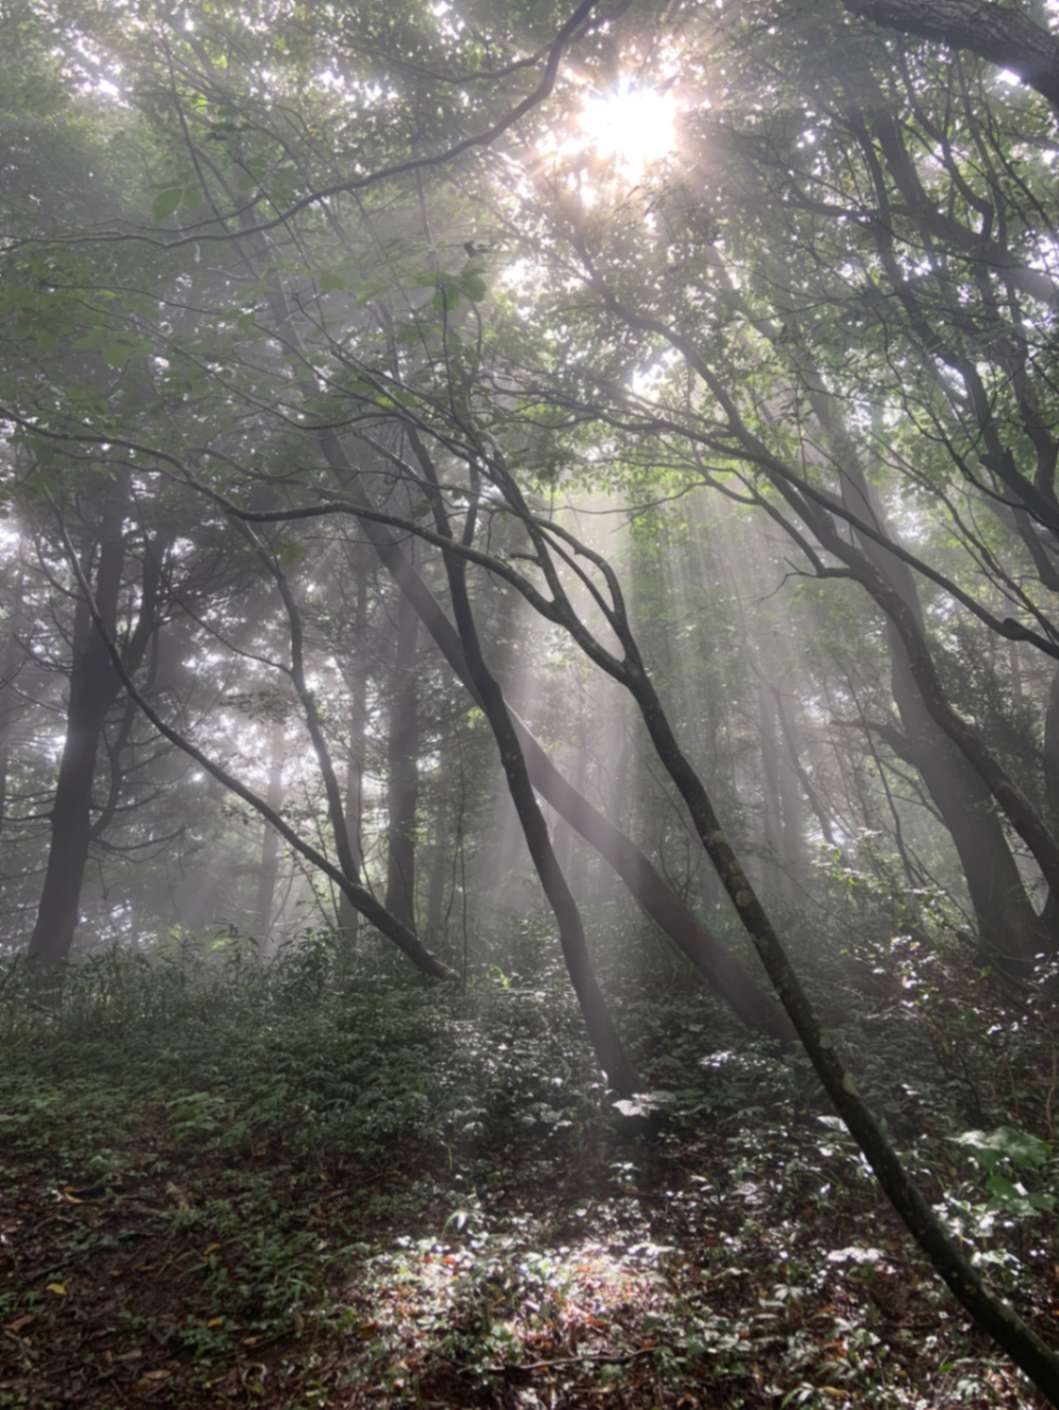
column 297, row 1178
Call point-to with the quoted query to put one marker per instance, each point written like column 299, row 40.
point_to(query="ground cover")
column 293, row 1187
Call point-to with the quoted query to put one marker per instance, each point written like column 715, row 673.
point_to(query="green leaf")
column 166, row 202
column 473, row 286
column 1023, row 1150
column 1003, row 1190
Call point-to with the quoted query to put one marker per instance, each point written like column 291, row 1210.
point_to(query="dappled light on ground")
column 224, row 1198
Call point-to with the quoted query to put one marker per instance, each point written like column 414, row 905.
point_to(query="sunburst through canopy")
column 634, row 126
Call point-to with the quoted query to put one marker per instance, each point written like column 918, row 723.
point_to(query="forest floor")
column 299, row 1192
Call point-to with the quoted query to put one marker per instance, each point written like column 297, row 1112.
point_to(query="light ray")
column 633, row 126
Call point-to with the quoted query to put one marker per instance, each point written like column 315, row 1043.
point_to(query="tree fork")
column 358, row 896
column 598, row 1023
column 722, row 971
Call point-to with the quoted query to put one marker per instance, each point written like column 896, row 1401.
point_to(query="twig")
column 614, row 1358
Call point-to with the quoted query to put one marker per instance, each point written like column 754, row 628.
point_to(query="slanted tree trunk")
column 403, row 773
column 600, row 1028
column 718, row 967
column 93, row 687
column 946, row 1257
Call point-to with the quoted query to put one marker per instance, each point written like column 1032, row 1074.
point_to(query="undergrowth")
column 299, row 1184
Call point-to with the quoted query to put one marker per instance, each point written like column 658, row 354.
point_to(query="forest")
column 529, row 704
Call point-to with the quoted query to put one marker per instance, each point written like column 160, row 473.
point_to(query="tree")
column 331, row 361
column 1003, row 35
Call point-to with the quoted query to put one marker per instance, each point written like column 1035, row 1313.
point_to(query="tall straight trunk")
column 792, row 845
column 1009, row 929
column 93, row 687
column 402, row 789
column 500, row 855
column 784, row 809
column 440, row 864
column 348, row 915
column 9, row 710
column 770, row 777
column 793, row 739
column 269, row 866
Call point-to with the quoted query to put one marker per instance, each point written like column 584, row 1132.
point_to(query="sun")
column 635, row 127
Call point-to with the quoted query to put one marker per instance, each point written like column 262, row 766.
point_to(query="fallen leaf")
column 215, row 1322
column 20, row 1322
column 177, row 1195
column 59, row 1289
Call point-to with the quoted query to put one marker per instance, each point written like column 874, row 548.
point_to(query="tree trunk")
column 93, row 687
column 946, row 1257
column 1010, row 933
column 9, row 707
column 440, row 863
column 601, row 1031
column 403, row 770
column 1000, row 34
column 348, row 916
column 720, row 969
column 269, row 868
column 772, row 820
column 1009, row 930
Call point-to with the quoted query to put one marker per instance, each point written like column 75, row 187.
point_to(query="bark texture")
column 727, row 975
column 997, row 33
column 269, row 868
column 93, row 688
column 402, row 789
column 601, row 1031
